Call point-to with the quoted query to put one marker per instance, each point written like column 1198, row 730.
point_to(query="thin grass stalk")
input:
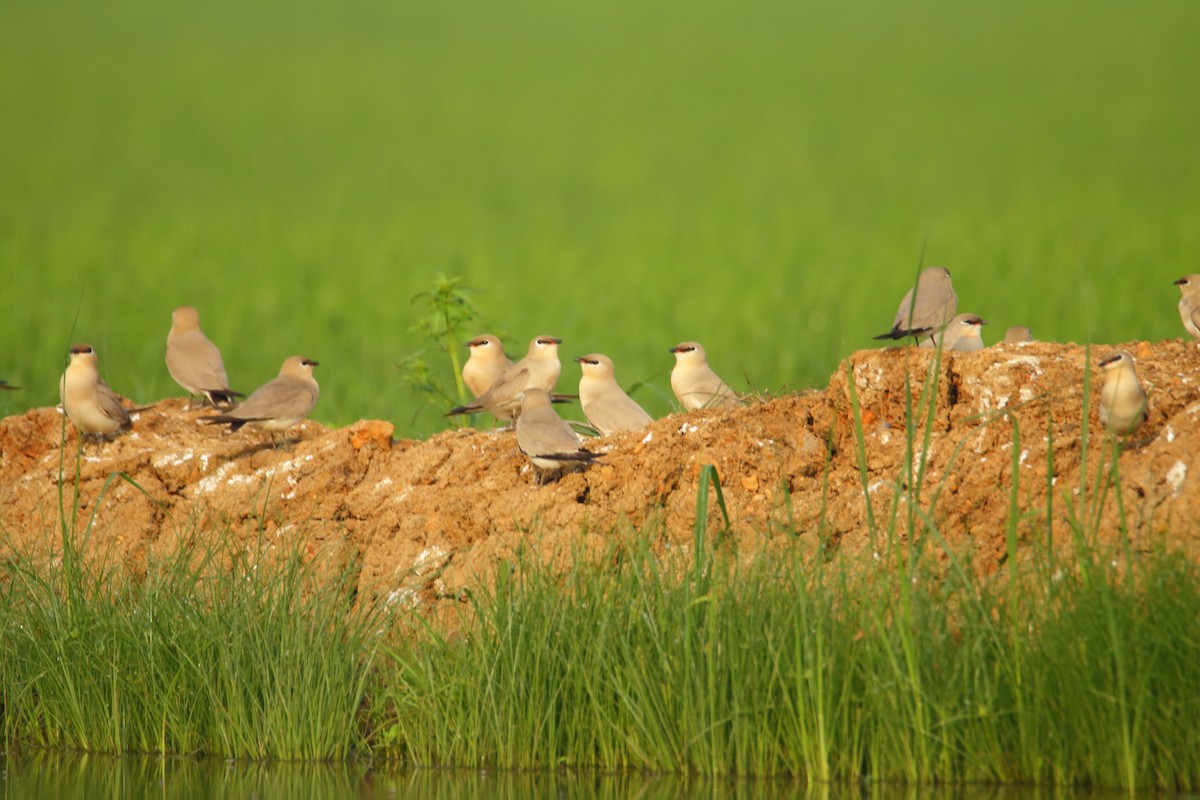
column 860, row 440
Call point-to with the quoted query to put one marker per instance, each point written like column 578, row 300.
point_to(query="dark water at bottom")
column 68, row 776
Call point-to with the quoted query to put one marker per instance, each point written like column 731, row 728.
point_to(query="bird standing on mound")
column 1189, row 303
column 549, row 442
column 963, row 333
column 1018, row 334
column 607, row 408
column 539, row 369
column 195, row 362
column 87, row 400
column 278, row 404
column 926, row 307
column 1123, row 401
column 485, row 365
column 694, row 382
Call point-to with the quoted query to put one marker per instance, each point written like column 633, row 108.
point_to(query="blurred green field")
column 761, row 176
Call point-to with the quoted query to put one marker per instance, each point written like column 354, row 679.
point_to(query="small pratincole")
column 539, row 369
column 278, row 404
column 548, row 440
column 1123, row 401
column 485, row 365
column 694, row 382
column 1189, row 303
column 963, row 333
column 87, row 400
column 195, row 362
column 607, row 408
column 926, row 307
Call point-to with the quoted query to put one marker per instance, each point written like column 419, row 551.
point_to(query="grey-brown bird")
column 1017, row 334
column 87, row 400
column 963, row 334
column 1123, row 401
column 1189, row 303
column 694, row 382
column 926, row 307
column 278, row 404
column 539, row 369
column 605, row 404
column 485, row 365
column 195, row 362
column 549, row 442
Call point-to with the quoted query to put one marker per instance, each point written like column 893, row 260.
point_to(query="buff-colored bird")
column 195, row 362
column 1123, row 401
column 1017, row 334
column 277, row 405
column 694, row 382
column 607, row 408
column 87, row 400
column 961, row 334
column 549, row 442
column 539, row 369
column 926, row 307
column 485, row 365
column 1189, row 303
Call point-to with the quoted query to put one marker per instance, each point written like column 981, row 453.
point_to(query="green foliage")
column 759, row 176
column 829, row 671
column 445, row 326
column 258, row 659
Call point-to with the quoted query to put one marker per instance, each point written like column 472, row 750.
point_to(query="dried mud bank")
column 424, row 519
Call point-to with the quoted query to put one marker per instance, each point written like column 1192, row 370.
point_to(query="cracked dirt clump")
column 423, row 520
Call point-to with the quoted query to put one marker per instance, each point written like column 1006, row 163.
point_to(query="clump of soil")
column 420, row 520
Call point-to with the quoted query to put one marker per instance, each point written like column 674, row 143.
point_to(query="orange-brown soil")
column 425, row 519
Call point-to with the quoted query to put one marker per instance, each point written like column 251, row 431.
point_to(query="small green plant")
column 448, row 310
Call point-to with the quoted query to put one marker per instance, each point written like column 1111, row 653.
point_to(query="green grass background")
column 761, row 176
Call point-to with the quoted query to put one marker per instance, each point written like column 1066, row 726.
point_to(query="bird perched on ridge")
column 1189, row 303
column 926, row 307
column 486, row 363
column 1123, row 401
column 278, row 404
column 195, row 362
column 963, row 333
column 694, row 382
column 539, row 369
column 605, row 404
column 548, row 440
column 87, row 400
column 1017, row 334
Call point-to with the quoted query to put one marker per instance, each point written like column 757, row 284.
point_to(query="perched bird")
column 1189, row 304
column 539, row 369
column 1017, row 334
column 551, row 444
column 278, row 404
column 607, row 408
column 485, row 365
column 926, row 307
column 694, row 382
column 195, row 362
column 1123, row 402
column 962, row 333
column 87, row 400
